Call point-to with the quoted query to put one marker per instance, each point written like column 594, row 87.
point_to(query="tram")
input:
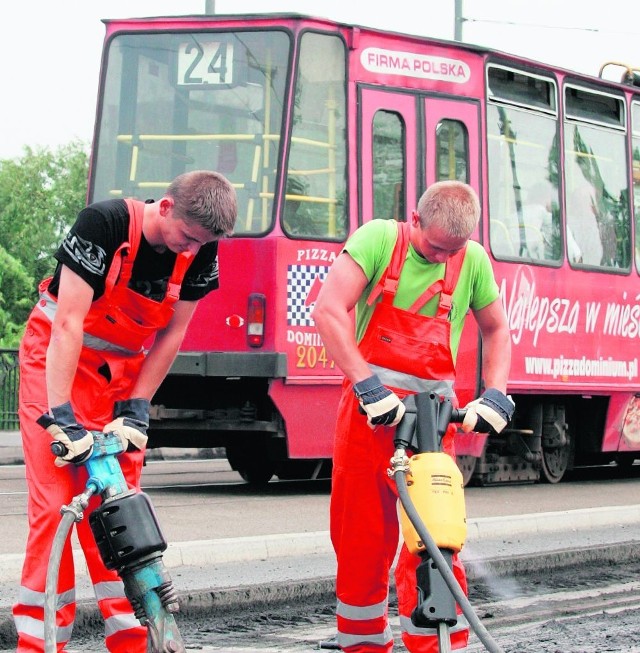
column 321, row 126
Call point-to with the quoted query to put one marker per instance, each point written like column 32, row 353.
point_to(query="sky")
column 50, row 51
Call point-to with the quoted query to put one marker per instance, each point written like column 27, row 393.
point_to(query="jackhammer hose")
column 70, row 514
column 434, row 552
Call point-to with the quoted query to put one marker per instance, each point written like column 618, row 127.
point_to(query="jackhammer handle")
column 58, row 448
column 458, row 414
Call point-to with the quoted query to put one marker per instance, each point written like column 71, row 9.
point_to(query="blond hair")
column 452, row 206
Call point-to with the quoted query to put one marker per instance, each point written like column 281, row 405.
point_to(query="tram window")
column 174, row 102
column 452, row 146
column 599, row 108
column 524, row 203
column 388, row 150
column 635, row 126
column 522, row 89
column 597, row 194
column 316, row 186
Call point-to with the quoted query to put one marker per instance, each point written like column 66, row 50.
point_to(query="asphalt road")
column 231, row 544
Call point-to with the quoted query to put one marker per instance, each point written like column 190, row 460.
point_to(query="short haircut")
column 206, row 198
column 451, row 205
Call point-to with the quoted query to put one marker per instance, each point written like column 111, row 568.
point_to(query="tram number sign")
column 204, row 63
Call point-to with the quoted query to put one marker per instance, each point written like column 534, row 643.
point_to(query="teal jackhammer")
column 130, row 542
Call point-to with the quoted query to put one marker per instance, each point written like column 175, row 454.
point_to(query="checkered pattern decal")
column 303, row 285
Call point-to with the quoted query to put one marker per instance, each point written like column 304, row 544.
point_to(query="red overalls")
column 117, row 326
column 410, row 353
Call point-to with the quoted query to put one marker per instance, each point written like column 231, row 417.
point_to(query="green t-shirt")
column 371, row 247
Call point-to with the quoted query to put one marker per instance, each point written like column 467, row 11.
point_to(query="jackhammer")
column 130, row 542
column 433, row 515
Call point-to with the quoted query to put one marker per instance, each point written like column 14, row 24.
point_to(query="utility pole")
column 210, row 7
column 457, row 26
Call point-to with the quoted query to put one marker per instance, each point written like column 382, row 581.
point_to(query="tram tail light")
column 255, row 320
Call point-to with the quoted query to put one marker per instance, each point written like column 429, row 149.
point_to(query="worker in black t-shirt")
column 97, row 345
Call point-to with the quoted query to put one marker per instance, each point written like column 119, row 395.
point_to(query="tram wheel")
column 251, row 463
column 555, row 463
column 256, row 475
column 467, row 466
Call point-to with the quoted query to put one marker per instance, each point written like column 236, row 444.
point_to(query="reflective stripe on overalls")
column 109, row 364
column 410, row 353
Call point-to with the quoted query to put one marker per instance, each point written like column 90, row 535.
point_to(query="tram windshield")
column 179, row 101
column 174, row 102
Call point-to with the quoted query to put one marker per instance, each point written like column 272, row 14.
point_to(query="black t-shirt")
column 101, row 228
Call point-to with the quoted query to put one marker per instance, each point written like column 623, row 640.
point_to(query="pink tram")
column 322, row 126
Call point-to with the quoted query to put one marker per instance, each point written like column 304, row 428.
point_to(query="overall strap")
column 444, row 286
column 183, row 261
column 122, row 264
column 136, row 216
column 124, row 267
column 388, row 282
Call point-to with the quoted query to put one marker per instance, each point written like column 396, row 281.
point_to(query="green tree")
column 40, row 196
column 41, row 193
column 15, row 299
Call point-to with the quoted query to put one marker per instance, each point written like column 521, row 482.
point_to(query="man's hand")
column 130, row 424
column 63, row 426
column 492, row 411
column 382, row 407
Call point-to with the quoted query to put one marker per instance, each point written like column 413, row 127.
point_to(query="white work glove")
column 382, row 407
column 492, row 411
column 63, row 426
column 130, row 424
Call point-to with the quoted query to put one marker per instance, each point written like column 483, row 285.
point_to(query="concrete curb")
column 12, row 456
column 265, row 547
column 546, row 522
column 241, row 549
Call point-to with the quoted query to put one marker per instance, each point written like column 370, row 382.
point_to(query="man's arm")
column 340, row 292
column 493, row 410
column 131, row 416
column 74, row 301
column 496, row 345
column 163, row 351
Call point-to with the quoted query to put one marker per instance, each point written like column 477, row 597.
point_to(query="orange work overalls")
column 116, row 327
column 410, row 353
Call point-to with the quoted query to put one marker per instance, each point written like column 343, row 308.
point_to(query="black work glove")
column 492, row 411
column 130, row 424
column 63, row 426
column 382, row 407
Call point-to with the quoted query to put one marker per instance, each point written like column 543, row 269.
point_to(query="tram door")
column 408, row 141
column 389, row 152
column 452, row 141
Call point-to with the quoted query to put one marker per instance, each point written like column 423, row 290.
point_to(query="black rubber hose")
column 434, row 552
